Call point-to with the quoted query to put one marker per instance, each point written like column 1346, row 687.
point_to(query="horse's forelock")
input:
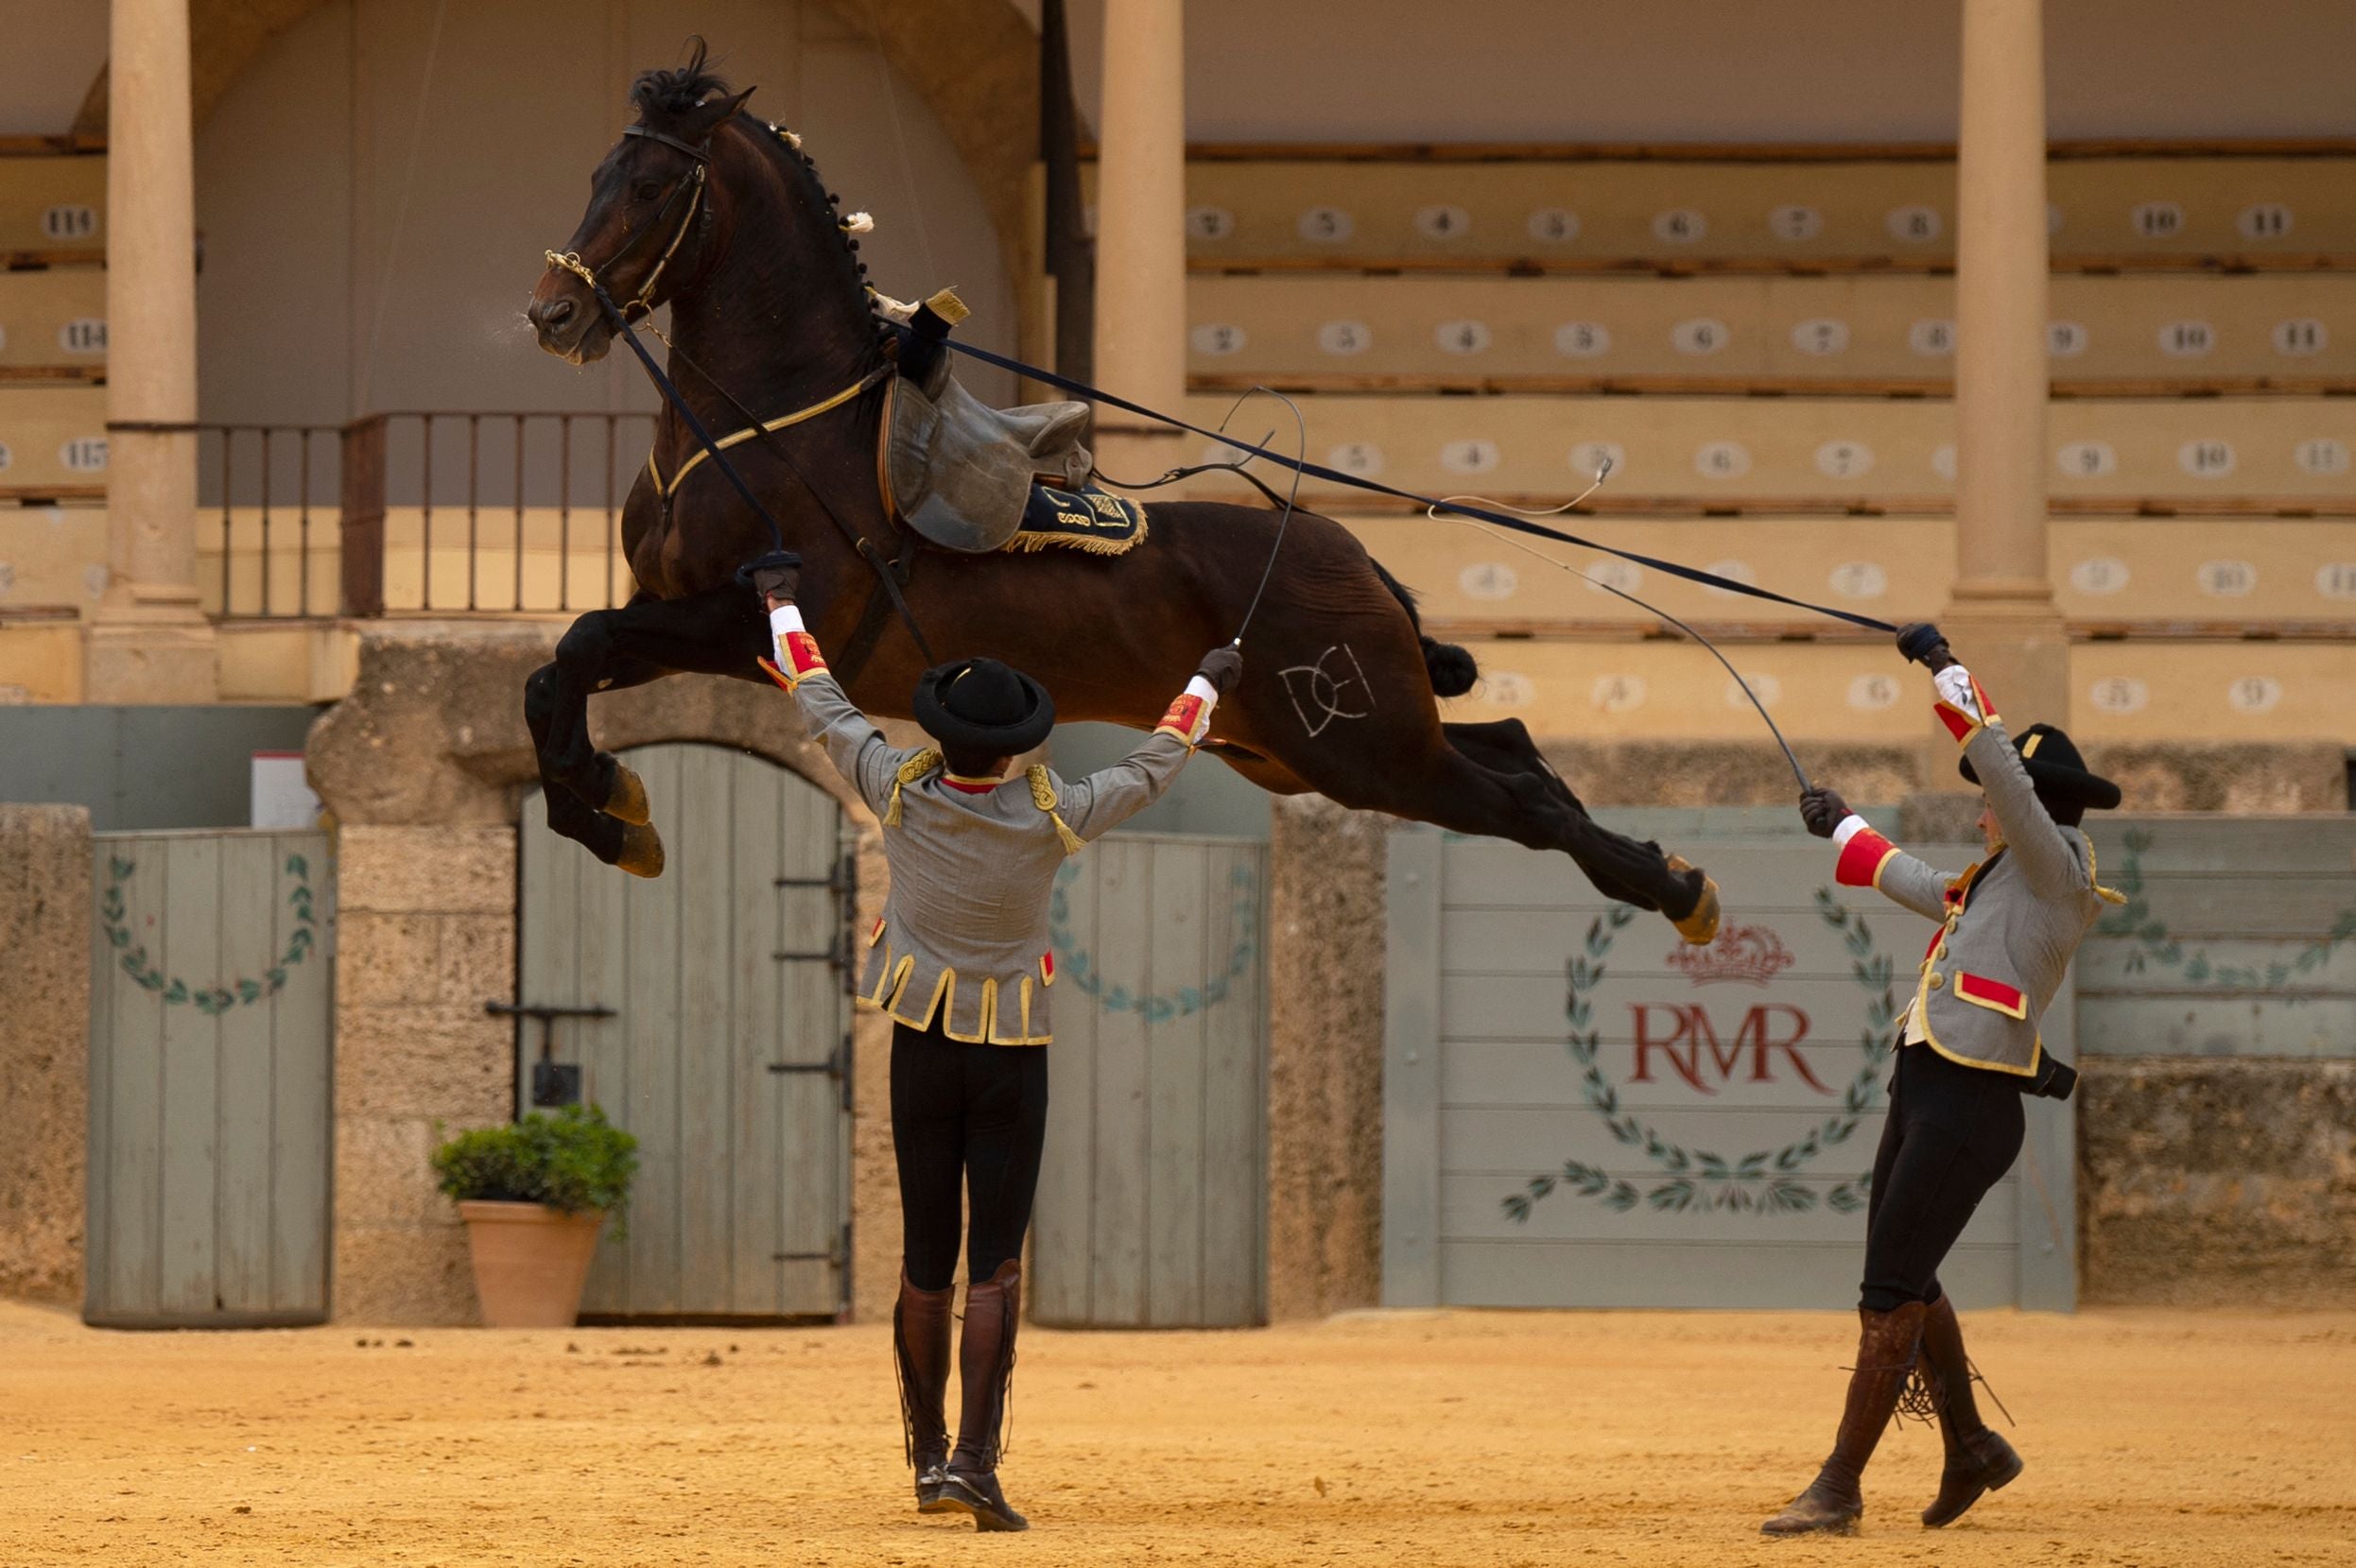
column 666, row 97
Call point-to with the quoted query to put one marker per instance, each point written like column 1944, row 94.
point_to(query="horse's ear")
column 718, row 111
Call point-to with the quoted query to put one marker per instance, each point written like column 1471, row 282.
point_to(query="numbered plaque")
column 1860, row 580
column 1844, row 459
column 1822, row 335
column 2100, row 576
column 1488, row 580
column 1346, row 337
column 1702, row 335
column 1618, row 694
column 2205, row 460
column 1217, row 338
column 1722, row 461
column 1583, row 340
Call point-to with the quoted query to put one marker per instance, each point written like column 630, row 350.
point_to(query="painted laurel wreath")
column 1699, row 1181
column 216, row 997
column 1079, row 969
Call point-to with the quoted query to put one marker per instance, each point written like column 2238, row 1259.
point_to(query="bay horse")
column 720, row 215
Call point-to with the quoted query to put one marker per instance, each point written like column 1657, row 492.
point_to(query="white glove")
column 1954, row 684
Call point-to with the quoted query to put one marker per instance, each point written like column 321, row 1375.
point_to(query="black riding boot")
column 994, row 1308
column 920, row 1348
column 1978, row 1459
column 1885, row 1353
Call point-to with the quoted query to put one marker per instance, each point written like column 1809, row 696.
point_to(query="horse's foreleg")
column 713, row 633
column 556, row 709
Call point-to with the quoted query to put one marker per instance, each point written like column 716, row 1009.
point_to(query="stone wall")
column 2217, row 1181
column 424, row 934
column 1327, row 924
column 424, row 769
column 45, row 905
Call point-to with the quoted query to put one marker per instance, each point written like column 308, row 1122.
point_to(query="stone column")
column 149, row 640
column 1140, row 229
column 2001, row 618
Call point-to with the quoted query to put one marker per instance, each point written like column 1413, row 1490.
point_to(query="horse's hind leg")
column 1620, row 868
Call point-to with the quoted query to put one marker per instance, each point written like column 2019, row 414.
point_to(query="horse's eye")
column 646, row 190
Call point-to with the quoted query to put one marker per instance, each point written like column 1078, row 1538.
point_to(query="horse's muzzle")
column 566, row 324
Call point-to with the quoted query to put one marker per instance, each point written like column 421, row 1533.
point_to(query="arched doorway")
column 726, row 1051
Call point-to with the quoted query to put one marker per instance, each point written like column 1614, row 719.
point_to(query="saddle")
column 959, row 473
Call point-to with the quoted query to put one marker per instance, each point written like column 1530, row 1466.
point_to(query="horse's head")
column 648, row 204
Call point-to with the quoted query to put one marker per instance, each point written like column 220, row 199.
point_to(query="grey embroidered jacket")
column 2008, row 925
column 964, row 928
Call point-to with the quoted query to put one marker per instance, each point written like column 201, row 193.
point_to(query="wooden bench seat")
column 54, row 441
column 1494, row 212
column 2148, row 690
column 2207, row 576
column 1882, row 335
column 52, row 210
column 53, row 324
column 2204, row 456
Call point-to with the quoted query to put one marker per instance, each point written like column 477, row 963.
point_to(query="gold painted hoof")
column 628, row 801
column 642, row 851
column 1700, row 927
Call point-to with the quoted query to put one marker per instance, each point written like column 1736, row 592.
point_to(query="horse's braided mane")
column 665, row 98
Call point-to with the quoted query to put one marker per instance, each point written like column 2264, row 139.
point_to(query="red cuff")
column 1961, row 724
column 802, row 654
column 1184, row 720
column 1861, row 859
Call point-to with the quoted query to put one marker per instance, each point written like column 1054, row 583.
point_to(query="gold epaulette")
column 1043, row 796
column 910, row 771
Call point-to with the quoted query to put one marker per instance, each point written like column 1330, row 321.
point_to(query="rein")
column 1432, row 505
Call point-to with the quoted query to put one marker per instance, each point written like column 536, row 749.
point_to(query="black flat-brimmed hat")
column 981, row 705
column 2056, row 768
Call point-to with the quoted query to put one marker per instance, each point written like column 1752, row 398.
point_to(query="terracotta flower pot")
column 531, row 1262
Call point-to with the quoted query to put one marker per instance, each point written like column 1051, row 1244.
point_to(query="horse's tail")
column 1452, row 670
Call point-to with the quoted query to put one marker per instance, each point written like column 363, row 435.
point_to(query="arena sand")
column 2154, row 1439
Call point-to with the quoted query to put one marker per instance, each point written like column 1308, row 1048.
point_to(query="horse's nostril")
column 553, row 314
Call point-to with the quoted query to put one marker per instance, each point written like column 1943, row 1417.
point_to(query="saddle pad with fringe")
column 1088, row 519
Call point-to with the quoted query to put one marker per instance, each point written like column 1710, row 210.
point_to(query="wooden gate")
column 1153, row 1195
column 210, row 1053
column 727, row 1051
column 1579, row 1111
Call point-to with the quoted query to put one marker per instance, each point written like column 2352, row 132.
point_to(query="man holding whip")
column 1968, row 1050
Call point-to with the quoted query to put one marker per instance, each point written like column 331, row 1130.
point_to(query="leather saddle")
column 959, row 473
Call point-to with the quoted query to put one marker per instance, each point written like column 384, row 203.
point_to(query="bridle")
column 690, row 186
column 618, row 319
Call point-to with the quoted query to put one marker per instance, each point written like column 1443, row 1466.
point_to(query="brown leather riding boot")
column 993, row 1309
column 920, row 1350
column 1978, row 1459
column 1886, row 1355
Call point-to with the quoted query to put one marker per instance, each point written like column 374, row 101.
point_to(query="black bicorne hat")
column 2056, row 768
column 981, row 705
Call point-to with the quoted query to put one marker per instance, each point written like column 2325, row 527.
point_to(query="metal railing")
column 440, row 513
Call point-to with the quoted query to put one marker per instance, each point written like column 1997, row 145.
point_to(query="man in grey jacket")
column 1970, row 1048
column 962, row 964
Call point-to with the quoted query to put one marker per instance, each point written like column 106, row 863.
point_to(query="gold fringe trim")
column 1043, row 796
column 1094, row 545
column 914, row 768
column 947, row 305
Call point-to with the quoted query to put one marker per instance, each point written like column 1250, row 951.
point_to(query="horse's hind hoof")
column 1699, row 927
column 627, row 801
column 642, row 851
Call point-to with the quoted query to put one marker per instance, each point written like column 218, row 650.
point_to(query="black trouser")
column 1953, row 1132
column 977, row 1113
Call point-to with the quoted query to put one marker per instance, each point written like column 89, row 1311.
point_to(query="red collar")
column 970, row 786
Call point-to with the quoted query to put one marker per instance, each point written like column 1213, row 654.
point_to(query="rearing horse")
column 721, row 216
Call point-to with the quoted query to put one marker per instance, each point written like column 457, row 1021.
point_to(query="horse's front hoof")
column 642, row 851
column 627, row 802
column 1700, row 927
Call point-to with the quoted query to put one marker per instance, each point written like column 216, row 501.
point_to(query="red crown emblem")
column 1751, row 954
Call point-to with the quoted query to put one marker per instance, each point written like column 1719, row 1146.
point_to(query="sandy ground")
column 2153, row 1439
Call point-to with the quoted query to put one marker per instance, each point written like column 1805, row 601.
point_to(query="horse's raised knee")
column 587, row 645
column 540, row 697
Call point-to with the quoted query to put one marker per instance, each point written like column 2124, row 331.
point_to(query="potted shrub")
column 534, row 1195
